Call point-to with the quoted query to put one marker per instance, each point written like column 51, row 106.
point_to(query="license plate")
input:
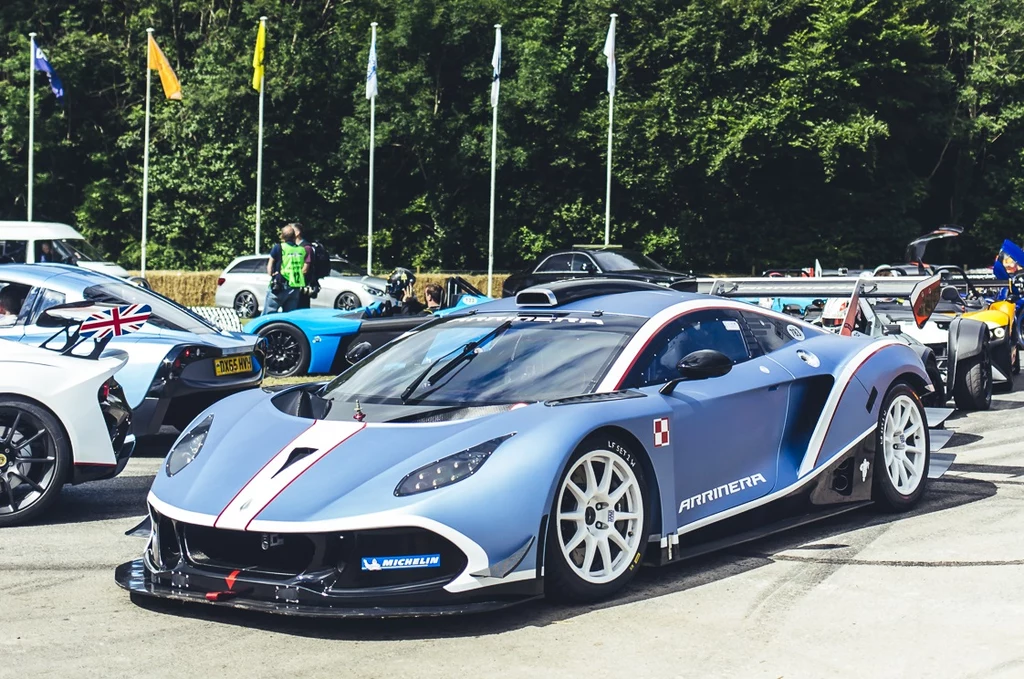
column 232, row 365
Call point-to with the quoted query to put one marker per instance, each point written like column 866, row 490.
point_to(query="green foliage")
column 747, row 133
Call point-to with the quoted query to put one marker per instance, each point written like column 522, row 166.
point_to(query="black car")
column 606, row 262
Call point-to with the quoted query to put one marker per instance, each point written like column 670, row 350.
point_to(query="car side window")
column 583, row 263
column 770, row 333
column 44, row 299
column 556, row 264
column 13, row 251
column 718, row 329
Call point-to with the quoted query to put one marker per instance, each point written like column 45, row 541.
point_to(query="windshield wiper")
column 465, row 350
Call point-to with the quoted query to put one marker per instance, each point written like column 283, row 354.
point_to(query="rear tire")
column 600, row 516
column 29, row 432
column 902, row 450
column 972, row 384
column 287, row 350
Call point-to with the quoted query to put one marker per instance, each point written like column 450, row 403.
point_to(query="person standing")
column 312, row 284
column 287, row 266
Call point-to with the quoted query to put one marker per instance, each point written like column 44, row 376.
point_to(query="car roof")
column 36, row 230
column 37, row 274
column 644, row 303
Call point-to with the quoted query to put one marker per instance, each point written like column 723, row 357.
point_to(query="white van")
column 34, row 242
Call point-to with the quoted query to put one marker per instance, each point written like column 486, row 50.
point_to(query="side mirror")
column 699, row 365
column 925, row 296
column 950, row 294
column 358, row 352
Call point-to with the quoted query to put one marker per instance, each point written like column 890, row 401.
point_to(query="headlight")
column 188, row 446
column 373, row 291
column 449, row 470
column 999, row 333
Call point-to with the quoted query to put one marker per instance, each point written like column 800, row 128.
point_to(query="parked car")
column 547, row 444
column 26, row 243
column 63, row 419
column 597, row 261
column 178, row 363
column 243, row 287
column 316, row 341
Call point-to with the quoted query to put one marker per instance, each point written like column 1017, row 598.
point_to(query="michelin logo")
column 394, row 563
column 724, row 489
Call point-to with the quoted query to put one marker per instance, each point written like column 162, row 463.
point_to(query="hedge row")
column 197, row 288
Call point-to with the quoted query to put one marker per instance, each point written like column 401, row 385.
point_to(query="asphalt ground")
column 935, row 593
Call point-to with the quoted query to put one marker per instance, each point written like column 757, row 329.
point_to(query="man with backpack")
column 319, row 266
column 288, row 265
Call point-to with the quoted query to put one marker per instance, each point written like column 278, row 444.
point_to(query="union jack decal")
column 115, row 322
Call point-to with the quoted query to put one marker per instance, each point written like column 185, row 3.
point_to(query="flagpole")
column 145, row 154
column 259, row 151
column 608, row 188
column 31, row 117
column 369, row 219
column 494, row 154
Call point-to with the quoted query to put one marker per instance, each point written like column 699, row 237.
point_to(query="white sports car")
column 63, row 419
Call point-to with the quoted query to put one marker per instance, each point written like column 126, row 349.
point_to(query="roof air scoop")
column 536, row 297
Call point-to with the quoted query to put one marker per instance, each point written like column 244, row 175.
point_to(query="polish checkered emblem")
column 661, row 432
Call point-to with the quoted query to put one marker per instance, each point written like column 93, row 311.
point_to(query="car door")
column 725, row 432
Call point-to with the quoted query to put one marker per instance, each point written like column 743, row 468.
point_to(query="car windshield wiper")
column 465, row 350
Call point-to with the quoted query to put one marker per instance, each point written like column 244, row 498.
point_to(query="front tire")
column 972, row 384
column 598, row 525
column 902, row 450
column 35, row 460
column 287, row 350
column 347, row 301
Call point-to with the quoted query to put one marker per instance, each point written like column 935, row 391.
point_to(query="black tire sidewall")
column 62, row 447
column 965, row 396
column 561, row 582
column 304, row 351
column 885, row 494
column 256, row 304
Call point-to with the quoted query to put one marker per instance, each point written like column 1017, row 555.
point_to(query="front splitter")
column 133, row 577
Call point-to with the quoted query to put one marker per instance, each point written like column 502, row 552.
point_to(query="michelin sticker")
column 795, row 332
column 394, row 563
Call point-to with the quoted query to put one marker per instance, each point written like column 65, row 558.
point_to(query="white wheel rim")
column 904, row 445
column 600, row 517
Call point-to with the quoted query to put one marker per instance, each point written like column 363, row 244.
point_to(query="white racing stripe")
column 322, row 436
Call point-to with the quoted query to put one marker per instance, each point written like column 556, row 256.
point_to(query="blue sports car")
column 544, row 444
column 178, row 363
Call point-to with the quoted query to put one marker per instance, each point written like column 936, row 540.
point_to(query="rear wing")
column 922, row 291
column 81, row 322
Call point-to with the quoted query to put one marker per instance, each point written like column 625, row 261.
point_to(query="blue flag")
column 42, row 64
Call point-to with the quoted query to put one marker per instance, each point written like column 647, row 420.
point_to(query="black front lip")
column 196, row 585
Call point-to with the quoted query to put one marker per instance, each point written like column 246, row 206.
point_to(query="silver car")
column 243, row 287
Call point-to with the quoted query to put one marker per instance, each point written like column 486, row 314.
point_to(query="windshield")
column 624, row 260
column 166, row 314
column 534, row 358
column 76, row 250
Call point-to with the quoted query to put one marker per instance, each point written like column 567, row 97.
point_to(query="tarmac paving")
column 938, row 592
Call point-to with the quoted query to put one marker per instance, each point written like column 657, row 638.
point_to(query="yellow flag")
column 157, row 60
column 257, row 57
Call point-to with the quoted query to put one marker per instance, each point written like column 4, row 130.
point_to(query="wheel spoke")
column 626, row 516
column 9, row 492
column 606, row 554
column 580, row 535
column 13, row 428
column 591, row 478
column 614, row 536
column 606, row 478
column 35, row 460
column 581, row 497
column 35, row 486
column 27, row 442
column 576, row 516
column 588, row 557
column 614, row 497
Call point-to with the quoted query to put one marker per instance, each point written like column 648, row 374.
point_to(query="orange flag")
column 157, row 60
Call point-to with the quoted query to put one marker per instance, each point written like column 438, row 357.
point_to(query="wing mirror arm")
column 670, row 386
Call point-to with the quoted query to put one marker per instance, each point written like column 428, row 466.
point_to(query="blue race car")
column 542, row 444
column 178, row 363
column 317, row 341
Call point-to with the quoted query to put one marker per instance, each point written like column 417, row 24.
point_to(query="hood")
column 297, row 469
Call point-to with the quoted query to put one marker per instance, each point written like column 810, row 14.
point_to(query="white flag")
column 496, row 64
column 609, row 51
column 371, row 69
